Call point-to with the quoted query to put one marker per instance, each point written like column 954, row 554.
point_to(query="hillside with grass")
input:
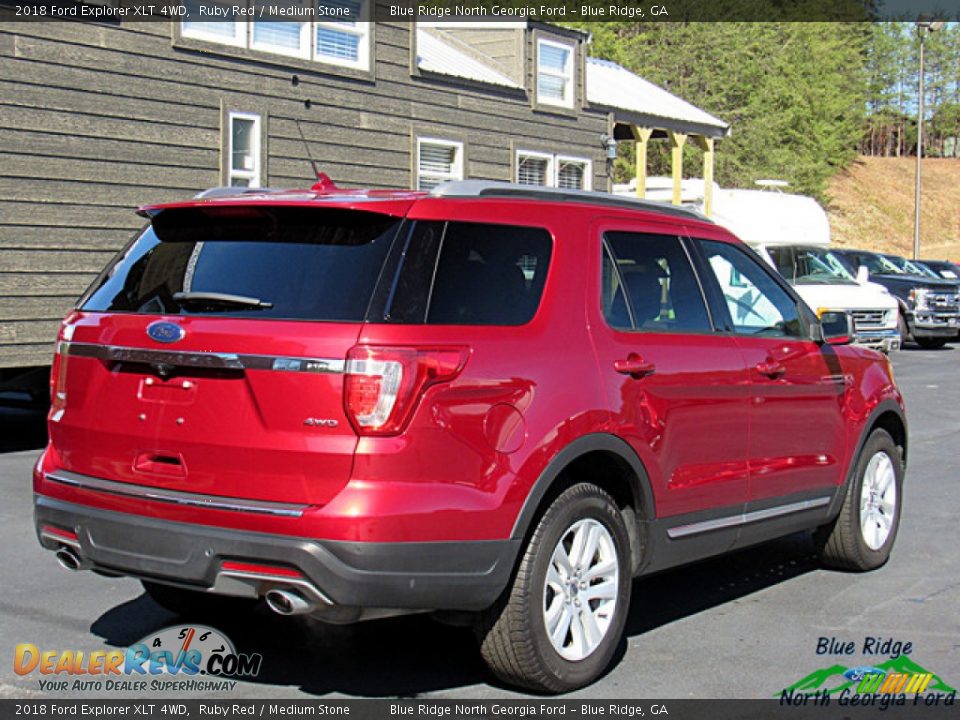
column 871, row 206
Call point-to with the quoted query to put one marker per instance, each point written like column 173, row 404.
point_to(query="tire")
column 514, row 638
column 931, row 343
column 902, row 328
column 194, row 603
column 855, row 541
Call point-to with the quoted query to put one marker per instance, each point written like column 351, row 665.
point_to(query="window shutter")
column 571, row 175
column 532, row 171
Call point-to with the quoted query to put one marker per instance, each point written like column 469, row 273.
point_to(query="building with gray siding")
column 98, row 118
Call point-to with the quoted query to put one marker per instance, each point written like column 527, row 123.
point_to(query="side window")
column 756, row 303
column 649, row 284
column 243, row 150
column 458, row 273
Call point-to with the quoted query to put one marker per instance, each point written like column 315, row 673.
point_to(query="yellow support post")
column 641, row 136
column 677, row 141
column 706, row 144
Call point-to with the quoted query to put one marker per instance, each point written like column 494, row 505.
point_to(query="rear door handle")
column 634, row 366
column 771, row 368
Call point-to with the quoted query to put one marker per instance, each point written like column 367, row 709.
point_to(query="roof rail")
column 490, row 189
column 228, row 191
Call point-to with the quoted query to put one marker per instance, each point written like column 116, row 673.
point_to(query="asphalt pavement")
column 741, row 626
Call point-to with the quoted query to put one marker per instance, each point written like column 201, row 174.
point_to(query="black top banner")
column 553, row 11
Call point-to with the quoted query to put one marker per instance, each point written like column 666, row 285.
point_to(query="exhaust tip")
column 68, row 558
column 288, row 602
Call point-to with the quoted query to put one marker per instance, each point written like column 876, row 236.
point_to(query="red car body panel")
column 709, row 430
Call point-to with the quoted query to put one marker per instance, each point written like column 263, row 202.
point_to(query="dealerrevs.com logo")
column 182, row 658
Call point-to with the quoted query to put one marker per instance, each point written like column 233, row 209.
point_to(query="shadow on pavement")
column 670, row 596
column 22, row 429
column 408, row 656
column 394, row 657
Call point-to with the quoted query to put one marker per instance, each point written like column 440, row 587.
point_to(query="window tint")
column 301, row 264
column 783, row 260
column 648, row 284
column 470, row 274
column 804, row 265
column 756, row 303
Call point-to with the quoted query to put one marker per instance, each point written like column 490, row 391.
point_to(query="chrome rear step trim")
column 201, row 359
column 142, row 492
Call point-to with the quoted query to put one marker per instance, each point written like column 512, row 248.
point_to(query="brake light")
column 58, row 372
column 382, row 385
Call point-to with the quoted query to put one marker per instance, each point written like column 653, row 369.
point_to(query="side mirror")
column 863, row 274
column 837, row 327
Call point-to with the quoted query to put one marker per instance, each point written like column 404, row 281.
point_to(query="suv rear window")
column 296, row 263
column 459, row 273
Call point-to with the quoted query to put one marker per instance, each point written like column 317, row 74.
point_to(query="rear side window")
column 457, row 273
column 252, row 262
column 649, row 284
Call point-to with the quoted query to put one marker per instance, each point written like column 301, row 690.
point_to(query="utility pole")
column 923, row 27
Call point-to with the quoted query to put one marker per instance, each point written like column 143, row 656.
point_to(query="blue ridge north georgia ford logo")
column 165, row 332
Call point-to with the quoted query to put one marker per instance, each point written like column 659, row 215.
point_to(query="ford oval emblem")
column 165, row 332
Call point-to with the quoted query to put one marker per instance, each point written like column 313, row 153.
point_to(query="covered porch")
column 641, row 111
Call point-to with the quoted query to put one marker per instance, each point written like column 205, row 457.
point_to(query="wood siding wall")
column 96, row 119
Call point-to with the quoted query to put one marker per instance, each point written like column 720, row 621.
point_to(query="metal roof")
column 613, row 86
column 436, row 56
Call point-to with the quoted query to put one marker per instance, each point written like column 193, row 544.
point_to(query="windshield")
column 879, row 265
column 919, row 269
column 810, row 265
column 943, row 269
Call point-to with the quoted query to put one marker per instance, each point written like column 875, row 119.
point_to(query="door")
column 677, row 388
column 796, row 424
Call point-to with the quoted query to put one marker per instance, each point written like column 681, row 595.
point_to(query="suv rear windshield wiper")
column 222, row 300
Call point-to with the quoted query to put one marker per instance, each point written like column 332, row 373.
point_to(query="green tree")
column 794, row 93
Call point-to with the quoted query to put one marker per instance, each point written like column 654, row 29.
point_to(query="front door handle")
column 771, row 368
column 634, row 366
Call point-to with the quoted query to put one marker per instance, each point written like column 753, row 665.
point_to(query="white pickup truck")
column 792, row 233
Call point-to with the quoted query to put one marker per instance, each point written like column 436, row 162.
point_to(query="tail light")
column 383, row 385
column 58, row 372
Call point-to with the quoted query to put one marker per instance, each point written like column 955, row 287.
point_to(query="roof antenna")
column 324, row 183
column 306, row 145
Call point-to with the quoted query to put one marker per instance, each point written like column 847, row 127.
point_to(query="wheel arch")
column 894, row 423
column 888, row 415
column 604, row 460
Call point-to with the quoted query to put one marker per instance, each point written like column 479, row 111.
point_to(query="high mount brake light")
column 382, row 385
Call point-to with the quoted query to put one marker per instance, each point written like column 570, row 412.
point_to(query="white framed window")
column 573, row 173
column 555, row 65
column 340, row 42
column 283, row 38
column 200, row 25
column 243, row 150
column 438, row 161
column 343, row 42
column 534, row 168
column 549, row 170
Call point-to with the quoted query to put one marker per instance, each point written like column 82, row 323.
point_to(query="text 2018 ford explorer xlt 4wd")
column 495, row 401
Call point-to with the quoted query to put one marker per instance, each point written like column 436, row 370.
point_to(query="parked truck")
column 792, row 233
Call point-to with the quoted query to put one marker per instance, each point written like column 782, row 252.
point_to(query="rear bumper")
column 349, row 576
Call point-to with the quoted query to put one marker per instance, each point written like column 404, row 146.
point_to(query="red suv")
column 494, row 402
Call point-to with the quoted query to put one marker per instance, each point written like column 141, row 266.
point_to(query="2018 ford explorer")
column 494, row 402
